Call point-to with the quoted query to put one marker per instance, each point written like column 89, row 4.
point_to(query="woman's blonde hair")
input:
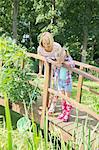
column 46, row 35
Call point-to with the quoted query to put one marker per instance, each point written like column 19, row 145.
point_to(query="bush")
column 13, row 77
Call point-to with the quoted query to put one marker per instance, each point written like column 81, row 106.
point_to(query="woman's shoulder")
column 56, row 45
column 39, row 49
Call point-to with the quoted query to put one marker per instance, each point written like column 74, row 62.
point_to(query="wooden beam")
column 78, row 71
column 87, row 88
column 86, row 66
column 84, row 74
column 45, row 94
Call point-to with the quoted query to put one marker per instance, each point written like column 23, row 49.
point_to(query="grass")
column 88, row 98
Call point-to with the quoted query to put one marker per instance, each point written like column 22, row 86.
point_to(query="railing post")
column 45, row 93
column 79, row 87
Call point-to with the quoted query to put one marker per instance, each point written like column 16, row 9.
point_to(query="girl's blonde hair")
column 48, row 36
column 67, row 52
column 62, row 52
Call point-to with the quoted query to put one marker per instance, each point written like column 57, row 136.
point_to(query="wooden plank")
column 75, row 104
column 79, row 86
column 84, row 74
column 91, row 67
column 59, row 132
column 76, row 70
column 66, row 126
column 58, row 122
column 71, row 127
column 90, row 90
column 87, row 88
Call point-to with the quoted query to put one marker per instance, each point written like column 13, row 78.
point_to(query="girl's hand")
column 57, row 64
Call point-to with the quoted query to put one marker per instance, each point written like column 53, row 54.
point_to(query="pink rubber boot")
column 67, row 114
column 63, row 110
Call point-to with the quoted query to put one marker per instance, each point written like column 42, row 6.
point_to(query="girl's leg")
column 63, row 105
column 66, row 109
column 68, row 94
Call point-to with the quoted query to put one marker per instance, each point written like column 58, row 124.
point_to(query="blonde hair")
column 46, row 35
column 66, row 50
column 61, row 53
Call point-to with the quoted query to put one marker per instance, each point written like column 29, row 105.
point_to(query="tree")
column 15, row 14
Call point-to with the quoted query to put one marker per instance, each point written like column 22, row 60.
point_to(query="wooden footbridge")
column 80, row 113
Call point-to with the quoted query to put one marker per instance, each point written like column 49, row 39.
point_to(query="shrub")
column 13, row 77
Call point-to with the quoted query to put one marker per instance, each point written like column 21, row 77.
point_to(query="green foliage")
column 32, row 138
column 67, row 21
column 13, row 78
column 88, row 98
column 8, row 122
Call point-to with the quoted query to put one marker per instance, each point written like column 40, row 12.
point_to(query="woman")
column 49, row 49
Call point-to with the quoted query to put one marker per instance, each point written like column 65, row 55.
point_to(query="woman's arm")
column 40, row 62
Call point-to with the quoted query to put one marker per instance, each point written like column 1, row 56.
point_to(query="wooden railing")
column 80, row 85
column 47, row 90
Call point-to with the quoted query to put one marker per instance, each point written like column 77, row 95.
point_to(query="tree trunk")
column 85, row 42
column 15, row 14
column 53, row 9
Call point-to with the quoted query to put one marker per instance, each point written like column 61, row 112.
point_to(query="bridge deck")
column 71, row 130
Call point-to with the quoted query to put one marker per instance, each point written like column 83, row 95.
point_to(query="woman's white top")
column 51, row 54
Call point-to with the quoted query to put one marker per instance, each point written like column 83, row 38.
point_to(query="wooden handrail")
column 76, row 70
column 77, row 63
column 87, row 88
column 84, row 74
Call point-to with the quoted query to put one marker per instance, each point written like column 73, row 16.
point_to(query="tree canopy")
column 74, row 24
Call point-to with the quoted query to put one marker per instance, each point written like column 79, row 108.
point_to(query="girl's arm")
column 69, row 62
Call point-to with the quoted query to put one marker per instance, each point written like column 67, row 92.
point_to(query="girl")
column 63, row 81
